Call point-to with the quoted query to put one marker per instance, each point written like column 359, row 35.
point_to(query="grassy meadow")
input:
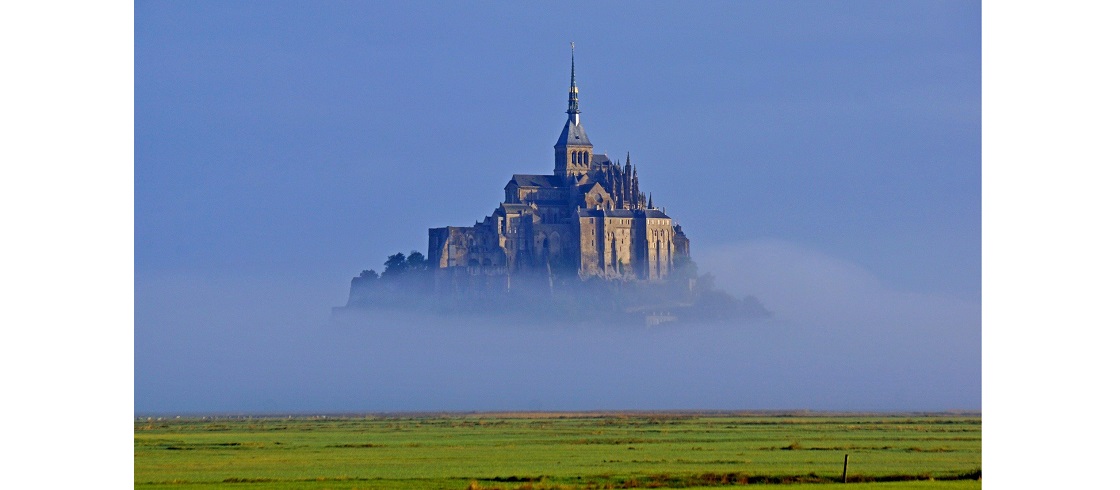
column 558, row 451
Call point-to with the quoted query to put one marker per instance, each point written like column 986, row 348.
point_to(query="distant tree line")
column 398, row 265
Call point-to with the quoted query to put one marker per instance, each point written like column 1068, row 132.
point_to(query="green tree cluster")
column 398, row 264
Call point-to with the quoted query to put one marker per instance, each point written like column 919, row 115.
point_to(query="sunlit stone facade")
column 589, row 216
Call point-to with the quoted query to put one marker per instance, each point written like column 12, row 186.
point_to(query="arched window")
column 614, row 253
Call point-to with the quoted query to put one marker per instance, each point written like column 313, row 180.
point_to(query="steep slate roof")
column 607, row 213
column 619, row 213
column 572, row 134
column 506, row 208
column 525, row 180
column 585, row 187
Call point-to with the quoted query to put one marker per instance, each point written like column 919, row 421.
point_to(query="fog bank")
column 838, row 340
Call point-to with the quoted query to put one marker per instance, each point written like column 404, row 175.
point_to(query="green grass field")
column 558, row 451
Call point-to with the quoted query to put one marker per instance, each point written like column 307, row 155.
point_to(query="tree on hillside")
column 416, row 261
column 396, row 265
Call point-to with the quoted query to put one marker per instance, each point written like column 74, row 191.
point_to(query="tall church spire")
column 573, row 92
column 573, row 149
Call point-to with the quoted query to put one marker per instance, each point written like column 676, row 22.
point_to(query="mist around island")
column 549, row 295
column 837, row 339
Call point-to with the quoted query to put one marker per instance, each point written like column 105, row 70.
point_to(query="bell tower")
column 573, row 149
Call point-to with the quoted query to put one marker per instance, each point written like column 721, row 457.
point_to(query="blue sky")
column 300, row 135
column 824, row 157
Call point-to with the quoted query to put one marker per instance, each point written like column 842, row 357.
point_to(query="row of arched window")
column 581, row 157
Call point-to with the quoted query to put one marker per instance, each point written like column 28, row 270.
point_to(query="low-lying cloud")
column 838, row 340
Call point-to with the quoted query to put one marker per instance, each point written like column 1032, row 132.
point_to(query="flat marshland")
column 558, row 451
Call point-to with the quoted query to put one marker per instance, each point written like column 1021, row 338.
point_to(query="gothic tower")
column 573, row 149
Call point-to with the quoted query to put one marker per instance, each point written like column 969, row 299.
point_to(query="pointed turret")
column 573, row 149
column 629, row 191
column 573, row 92
column 637, row 188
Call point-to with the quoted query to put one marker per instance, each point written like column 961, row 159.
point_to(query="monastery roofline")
column 621, row 213
column 536, row 180
column 572, row 135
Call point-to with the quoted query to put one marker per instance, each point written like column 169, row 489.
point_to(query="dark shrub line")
column 707, row 480
column 366, row 445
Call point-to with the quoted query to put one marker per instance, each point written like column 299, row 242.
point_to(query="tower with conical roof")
column 588, row 218
column 573, row 149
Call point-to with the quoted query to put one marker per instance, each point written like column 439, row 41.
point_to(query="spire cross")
column 573, row 63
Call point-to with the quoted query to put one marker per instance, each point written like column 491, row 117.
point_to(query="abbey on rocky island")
column 589, row 217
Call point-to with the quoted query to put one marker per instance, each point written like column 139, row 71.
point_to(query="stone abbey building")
column 588, row 217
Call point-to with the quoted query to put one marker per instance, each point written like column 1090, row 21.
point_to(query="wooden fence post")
column 845, row 476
